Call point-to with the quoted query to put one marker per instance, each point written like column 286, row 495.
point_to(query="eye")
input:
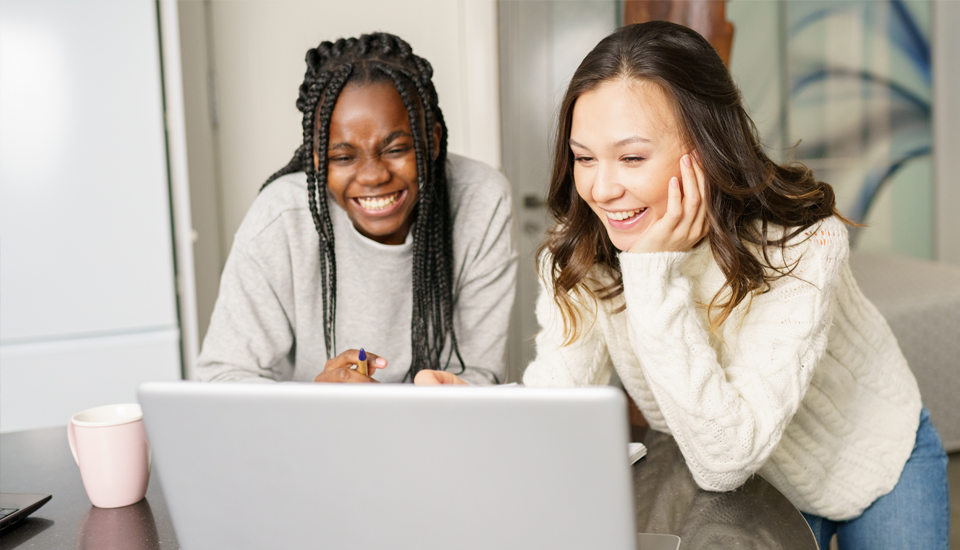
column 397, row 150
column 340, row 159
column 582, row 159
column 633, row 159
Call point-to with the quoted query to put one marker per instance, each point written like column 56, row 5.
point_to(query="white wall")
column 88, row 307
column 181, row 215
column 946, row 128
column 541, row 46
column 256, row 51
column 202, row 157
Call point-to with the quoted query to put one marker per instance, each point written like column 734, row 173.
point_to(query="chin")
column 619, row 241
column 619, row 244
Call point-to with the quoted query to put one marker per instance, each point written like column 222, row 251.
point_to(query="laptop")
column 391, row 466
column 16, row 506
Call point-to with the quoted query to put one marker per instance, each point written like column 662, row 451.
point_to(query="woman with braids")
column 715, row 282
column 372, row 236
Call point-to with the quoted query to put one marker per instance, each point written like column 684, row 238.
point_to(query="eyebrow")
column 621, row 143
column 632, row 139
column 383, row 143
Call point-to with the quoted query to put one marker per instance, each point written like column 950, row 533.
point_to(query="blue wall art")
column 845, row 87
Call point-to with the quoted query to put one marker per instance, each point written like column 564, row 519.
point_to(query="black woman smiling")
column 372, row 236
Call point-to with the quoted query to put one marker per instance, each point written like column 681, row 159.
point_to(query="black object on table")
column 668, row 501
column 16, row 506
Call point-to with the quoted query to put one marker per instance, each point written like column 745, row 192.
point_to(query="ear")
column 316, row 160
column 437, row 134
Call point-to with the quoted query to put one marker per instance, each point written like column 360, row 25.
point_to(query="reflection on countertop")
column 668, row 500
column 122, row 528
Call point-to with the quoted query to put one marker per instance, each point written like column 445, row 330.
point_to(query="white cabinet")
column 87, row 294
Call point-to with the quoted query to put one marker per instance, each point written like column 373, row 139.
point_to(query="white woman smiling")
column 715, row 282
column 372, row 237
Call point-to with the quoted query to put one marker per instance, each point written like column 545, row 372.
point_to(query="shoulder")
column 825, row 241
column 828, row 232
column 284, row 198
column 474, row 183
column 816, row 255
column 481, row 212
column 597, row 281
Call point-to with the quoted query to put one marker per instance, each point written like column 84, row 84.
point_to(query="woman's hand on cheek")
column 438, row 378
column 339, row 369
column 684, row 223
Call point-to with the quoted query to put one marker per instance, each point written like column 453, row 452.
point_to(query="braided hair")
column 371, row 59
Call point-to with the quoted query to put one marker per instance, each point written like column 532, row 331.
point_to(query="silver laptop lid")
column 358, row 466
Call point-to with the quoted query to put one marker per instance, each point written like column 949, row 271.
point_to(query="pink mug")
column 110, row 446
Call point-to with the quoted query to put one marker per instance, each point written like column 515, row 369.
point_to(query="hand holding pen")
column 340, row 368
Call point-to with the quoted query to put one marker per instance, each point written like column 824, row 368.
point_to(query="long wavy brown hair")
column 743, row 185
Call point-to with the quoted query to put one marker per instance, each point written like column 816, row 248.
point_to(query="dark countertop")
column 667, row 501
column 39, row 461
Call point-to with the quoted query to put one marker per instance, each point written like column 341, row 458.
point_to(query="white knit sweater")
column 807, row 386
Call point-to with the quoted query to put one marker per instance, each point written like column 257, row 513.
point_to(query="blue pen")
column 362, row 366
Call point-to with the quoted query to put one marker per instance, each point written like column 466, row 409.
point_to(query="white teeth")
column 620, row 216
column 378, row 203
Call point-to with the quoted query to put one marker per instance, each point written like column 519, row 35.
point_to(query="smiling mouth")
column 378, row 203
column 626, row 215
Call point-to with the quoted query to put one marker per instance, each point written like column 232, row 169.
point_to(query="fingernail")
column 674, row 182
column 686, row 160
column 381, row 362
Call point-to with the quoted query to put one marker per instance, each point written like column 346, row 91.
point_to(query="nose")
column 372, row 171
column 605, row 186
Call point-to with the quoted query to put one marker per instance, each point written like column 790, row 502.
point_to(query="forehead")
column 364, row 107
column 625, row 107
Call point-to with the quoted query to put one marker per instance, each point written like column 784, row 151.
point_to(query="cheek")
column 660, row 192
column 406, row 168
column 661, row 197
column 336, row 184
column 581, row 184
column 585, row 193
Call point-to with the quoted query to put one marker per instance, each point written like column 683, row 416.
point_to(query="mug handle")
column 72, row 438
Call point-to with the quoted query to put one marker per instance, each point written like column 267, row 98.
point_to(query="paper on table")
column 636, row 452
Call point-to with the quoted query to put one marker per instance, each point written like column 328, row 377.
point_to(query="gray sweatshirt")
column 268, row 321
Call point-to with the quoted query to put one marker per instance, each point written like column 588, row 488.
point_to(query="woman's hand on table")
column 339, row 369
column 438, row 378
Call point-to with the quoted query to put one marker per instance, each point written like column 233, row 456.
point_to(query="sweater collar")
column 344, row 226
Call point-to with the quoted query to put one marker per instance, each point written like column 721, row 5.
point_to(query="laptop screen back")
column 351, row 466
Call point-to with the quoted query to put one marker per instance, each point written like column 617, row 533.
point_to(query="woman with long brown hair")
column 715, row 282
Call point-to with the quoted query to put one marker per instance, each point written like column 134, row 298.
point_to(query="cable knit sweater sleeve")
column 728, row 406
column 584, row 362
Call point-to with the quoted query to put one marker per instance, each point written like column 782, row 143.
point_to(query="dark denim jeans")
column 915, row 514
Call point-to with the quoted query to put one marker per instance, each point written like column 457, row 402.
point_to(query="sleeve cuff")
column 650, row 265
